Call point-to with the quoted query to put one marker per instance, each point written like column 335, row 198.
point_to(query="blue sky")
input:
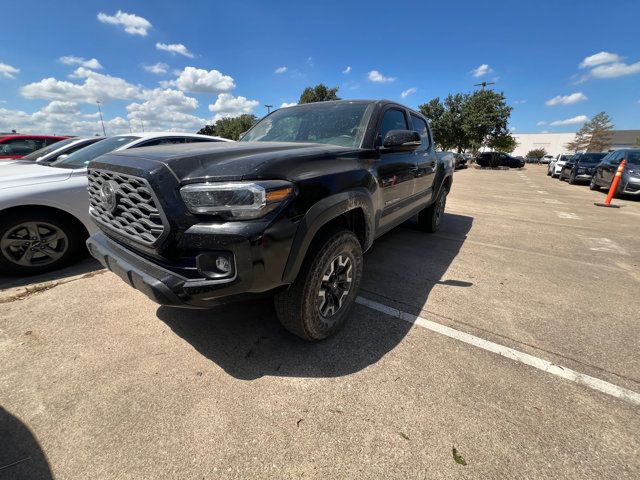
column 207, row 59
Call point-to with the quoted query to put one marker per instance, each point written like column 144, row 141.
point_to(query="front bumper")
column 175, row 287
column 631, row 188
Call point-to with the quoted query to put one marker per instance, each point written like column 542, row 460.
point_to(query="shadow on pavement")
column 247, row 341
column 21, row 457
column 86, row 265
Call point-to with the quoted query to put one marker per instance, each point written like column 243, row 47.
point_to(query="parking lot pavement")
column 98, row 382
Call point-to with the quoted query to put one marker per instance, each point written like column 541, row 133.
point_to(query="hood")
column 22, row 174
column 194, row 162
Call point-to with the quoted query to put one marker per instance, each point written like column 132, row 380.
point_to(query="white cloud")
column 347, row 70
column 175, row 48
column 96, row 86
column 566, row 99
column 482, row 70
column 408, row 91
column 519, row 102
column 92, row 63
column 613, row 70
column 157, row 68
column 165, row 109
column 226, row 105
column 7, row 71
column 377, row 77
column 541, row 122
column 599, row 59
column 570, row 121
column 287, row 104
column 131, row 23
column 61, row 118
column 280, row 70
column 197, row 80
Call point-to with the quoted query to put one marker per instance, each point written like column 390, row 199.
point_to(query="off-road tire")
column 74, row 242
column 298, row 307
column 430, row 218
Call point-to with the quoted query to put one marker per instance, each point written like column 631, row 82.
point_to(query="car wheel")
column 317, row 304
column 572, row 178
column 593, row 185
column 429, row 218
column 35, row 243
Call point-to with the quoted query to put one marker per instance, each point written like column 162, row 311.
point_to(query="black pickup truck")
column 288, row 210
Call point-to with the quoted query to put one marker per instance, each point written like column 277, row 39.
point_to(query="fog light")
column 216, row 265
column 223, row 264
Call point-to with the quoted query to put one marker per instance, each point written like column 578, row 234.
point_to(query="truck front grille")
column 126, row 205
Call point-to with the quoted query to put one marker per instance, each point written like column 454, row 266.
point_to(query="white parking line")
column 568, row 215
column 603, row 245
column 541, row 364
column 543, row 192
column 552, row 200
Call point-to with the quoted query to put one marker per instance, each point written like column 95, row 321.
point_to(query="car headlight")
column 236, row 200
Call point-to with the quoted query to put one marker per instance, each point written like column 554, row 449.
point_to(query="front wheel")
column 32, row 243
column 572, row 178
column 593, row 185
column 430, row 217
column 317, row 304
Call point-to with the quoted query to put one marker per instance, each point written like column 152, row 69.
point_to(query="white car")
column 546, row 159
column 555, row 166
column 44, row 208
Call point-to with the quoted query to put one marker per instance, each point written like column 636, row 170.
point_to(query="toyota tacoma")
column 286, row 211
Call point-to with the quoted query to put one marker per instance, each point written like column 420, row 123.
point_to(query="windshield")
column 564, row 158
column 83, row 156
column 47, row 150
column 591, row 158
column 341, row 124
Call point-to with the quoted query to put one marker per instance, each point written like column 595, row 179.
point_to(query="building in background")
column 554, row 143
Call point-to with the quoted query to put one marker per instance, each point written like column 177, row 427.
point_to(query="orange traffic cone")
column 614, row 187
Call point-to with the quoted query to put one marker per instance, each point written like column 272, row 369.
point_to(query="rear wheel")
column 318, row 303
column 593, row 185
column 430, row 217
column 32, row 243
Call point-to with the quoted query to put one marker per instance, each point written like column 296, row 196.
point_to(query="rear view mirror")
column 62, row 157
column 402, row 140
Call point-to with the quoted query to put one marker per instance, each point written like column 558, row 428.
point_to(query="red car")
column 17, row 146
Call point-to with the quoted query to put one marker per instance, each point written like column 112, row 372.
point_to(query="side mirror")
column 402, row 140
column 62, row 157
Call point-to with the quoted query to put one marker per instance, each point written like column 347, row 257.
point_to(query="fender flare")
column 319, row 215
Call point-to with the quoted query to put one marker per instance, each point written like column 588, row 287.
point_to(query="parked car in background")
column 498, row 159
column 17, row 146
column 606, row 170
column 556, row 165
column 44, row 208
column 546, row 159
column 460, row 161
column 580, row 167
column 56, row 151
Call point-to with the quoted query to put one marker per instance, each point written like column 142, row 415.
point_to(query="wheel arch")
column 34, row 208
column 352, row 210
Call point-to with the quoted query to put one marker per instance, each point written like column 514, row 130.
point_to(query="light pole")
column 269, row 107
column 101, row 120
column 483, row 84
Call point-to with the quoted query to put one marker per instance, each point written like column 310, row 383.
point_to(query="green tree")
column 319, row 93
column 503, row 143
column 485, row 116
column 638, row 141
column 230, row 127
column 594, row 136
column 537, row 153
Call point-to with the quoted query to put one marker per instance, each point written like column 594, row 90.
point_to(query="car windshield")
column 83, row 156
column 564, row 158
column 341, row 124
column 633, row 158
column 47, row 150
column 591, row 158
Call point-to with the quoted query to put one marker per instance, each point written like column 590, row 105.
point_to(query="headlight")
column 236, row 200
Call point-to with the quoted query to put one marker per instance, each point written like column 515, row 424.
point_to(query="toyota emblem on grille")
column 108, row 195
